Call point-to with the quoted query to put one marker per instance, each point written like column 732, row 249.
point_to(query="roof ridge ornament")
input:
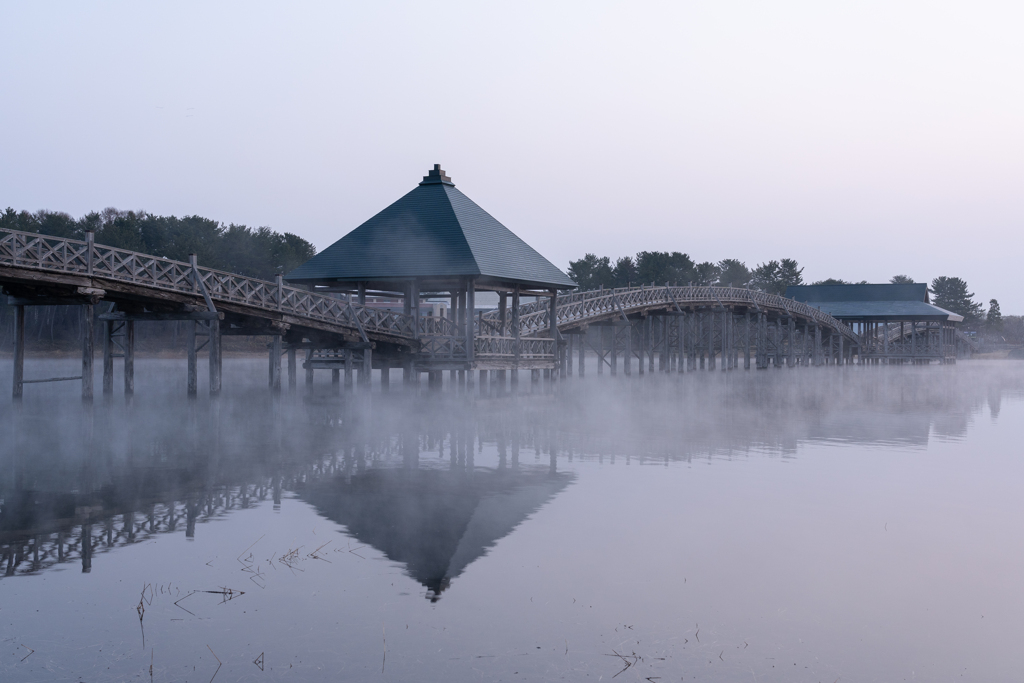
column 437, row 177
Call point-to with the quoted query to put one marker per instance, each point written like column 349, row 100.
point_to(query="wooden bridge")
column 685, row 328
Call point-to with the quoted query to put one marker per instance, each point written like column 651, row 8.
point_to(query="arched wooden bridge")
column 685, row 328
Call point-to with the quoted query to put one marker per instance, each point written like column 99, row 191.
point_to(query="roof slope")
column 816, row 293
column 434, row 231
column 872, row 302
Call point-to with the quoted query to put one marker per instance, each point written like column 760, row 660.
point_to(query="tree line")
column 773, row 277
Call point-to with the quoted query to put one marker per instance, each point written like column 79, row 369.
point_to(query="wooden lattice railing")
column 55, row 254
column 600, row 303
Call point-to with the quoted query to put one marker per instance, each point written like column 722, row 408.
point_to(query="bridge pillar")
column 366, row 371
column 385, row 377
column 108, row 358
column 292, row 369
column 711, row 340
column 275, row 363
column 309, row 369
column 336, row 381
column 128, row 340
column 817, row 345
column 19, row 352
column 627, row 362
column 567, row 362
column 582, row 352
column 348, row 370
column 87, row 351
column 216, row 364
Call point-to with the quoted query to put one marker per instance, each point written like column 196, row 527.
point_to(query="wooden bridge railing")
column 55, row 254
column 600, row 303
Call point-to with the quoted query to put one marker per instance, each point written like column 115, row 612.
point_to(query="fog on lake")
column 815, row 524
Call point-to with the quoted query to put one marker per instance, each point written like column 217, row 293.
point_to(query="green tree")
column 994, row 317
column 624, row 274
column 901, row 280
column 951, row 294
column 705, row 274
column 831, row 281
column 591, row 272
column 774, row 276
column 733, row 273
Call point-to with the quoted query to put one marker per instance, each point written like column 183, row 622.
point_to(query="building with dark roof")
column 434, row 237
column 437, row 241
column 896, row 323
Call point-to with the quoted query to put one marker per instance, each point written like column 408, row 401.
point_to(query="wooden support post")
column 193, row 360
column 746, row 340
column 568, row 354
column 366, row 371
column 665, row 359
column 778, row 343
column 292, row 368
column 615, row 350
column 515, row 334
column 650, row 343
column 641, row 333
column 600, row 349
column 791, row 342
column 309, row 368
column 817, row 345
column 108, row 358
column 348, row 370
column 335, row 381
column 711, row 340
column 128, row 341
column 88, row 334
column 841, row 358
column 582, row 352
column 214, row 346
column 19, row 351
column 627, row 362
column 275, row 363
column 407, row 359
column 385, row 377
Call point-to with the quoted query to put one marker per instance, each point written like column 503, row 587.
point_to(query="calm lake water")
column 829, row 524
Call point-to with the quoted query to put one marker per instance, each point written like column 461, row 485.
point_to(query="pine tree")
column 951, row 294
column 994, row 317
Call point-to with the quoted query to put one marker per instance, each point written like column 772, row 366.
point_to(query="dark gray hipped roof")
column 435, row 233
column 816, row 293
column 872, row 302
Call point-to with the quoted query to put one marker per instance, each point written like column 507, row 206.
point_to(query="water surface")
column 854, row 524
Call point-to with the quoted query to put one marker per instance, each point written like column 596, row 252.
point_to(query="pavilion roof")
column 437, row 234
column 872, row 302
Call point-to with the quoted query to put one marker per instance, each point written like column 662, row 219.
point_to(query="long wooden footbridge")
column 672, row 328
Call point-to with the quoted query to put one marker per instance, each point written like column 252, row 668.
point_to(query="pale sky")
column 863, row 139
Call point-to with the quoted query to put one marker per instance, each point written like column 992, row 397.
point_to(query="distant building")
column 896, row 323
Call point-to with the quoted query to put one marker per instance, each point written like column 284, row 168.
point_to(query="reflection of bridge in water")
column 433, row 242
column 431, row 485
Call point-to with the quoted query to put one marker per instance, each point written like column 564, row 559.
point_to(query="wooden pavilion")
column 895, row 323
column 436, row 241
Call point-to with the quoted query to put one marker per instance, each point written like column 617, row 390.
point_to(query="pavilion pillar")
column 407, row 360
column 470, row 314
column 515, row 336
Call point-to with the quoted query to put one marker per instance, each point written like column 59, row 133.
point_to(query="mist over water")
column 811, row 524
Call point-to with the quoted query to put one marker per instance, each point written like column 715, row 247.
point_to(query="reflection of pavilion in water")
column 434, row 521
